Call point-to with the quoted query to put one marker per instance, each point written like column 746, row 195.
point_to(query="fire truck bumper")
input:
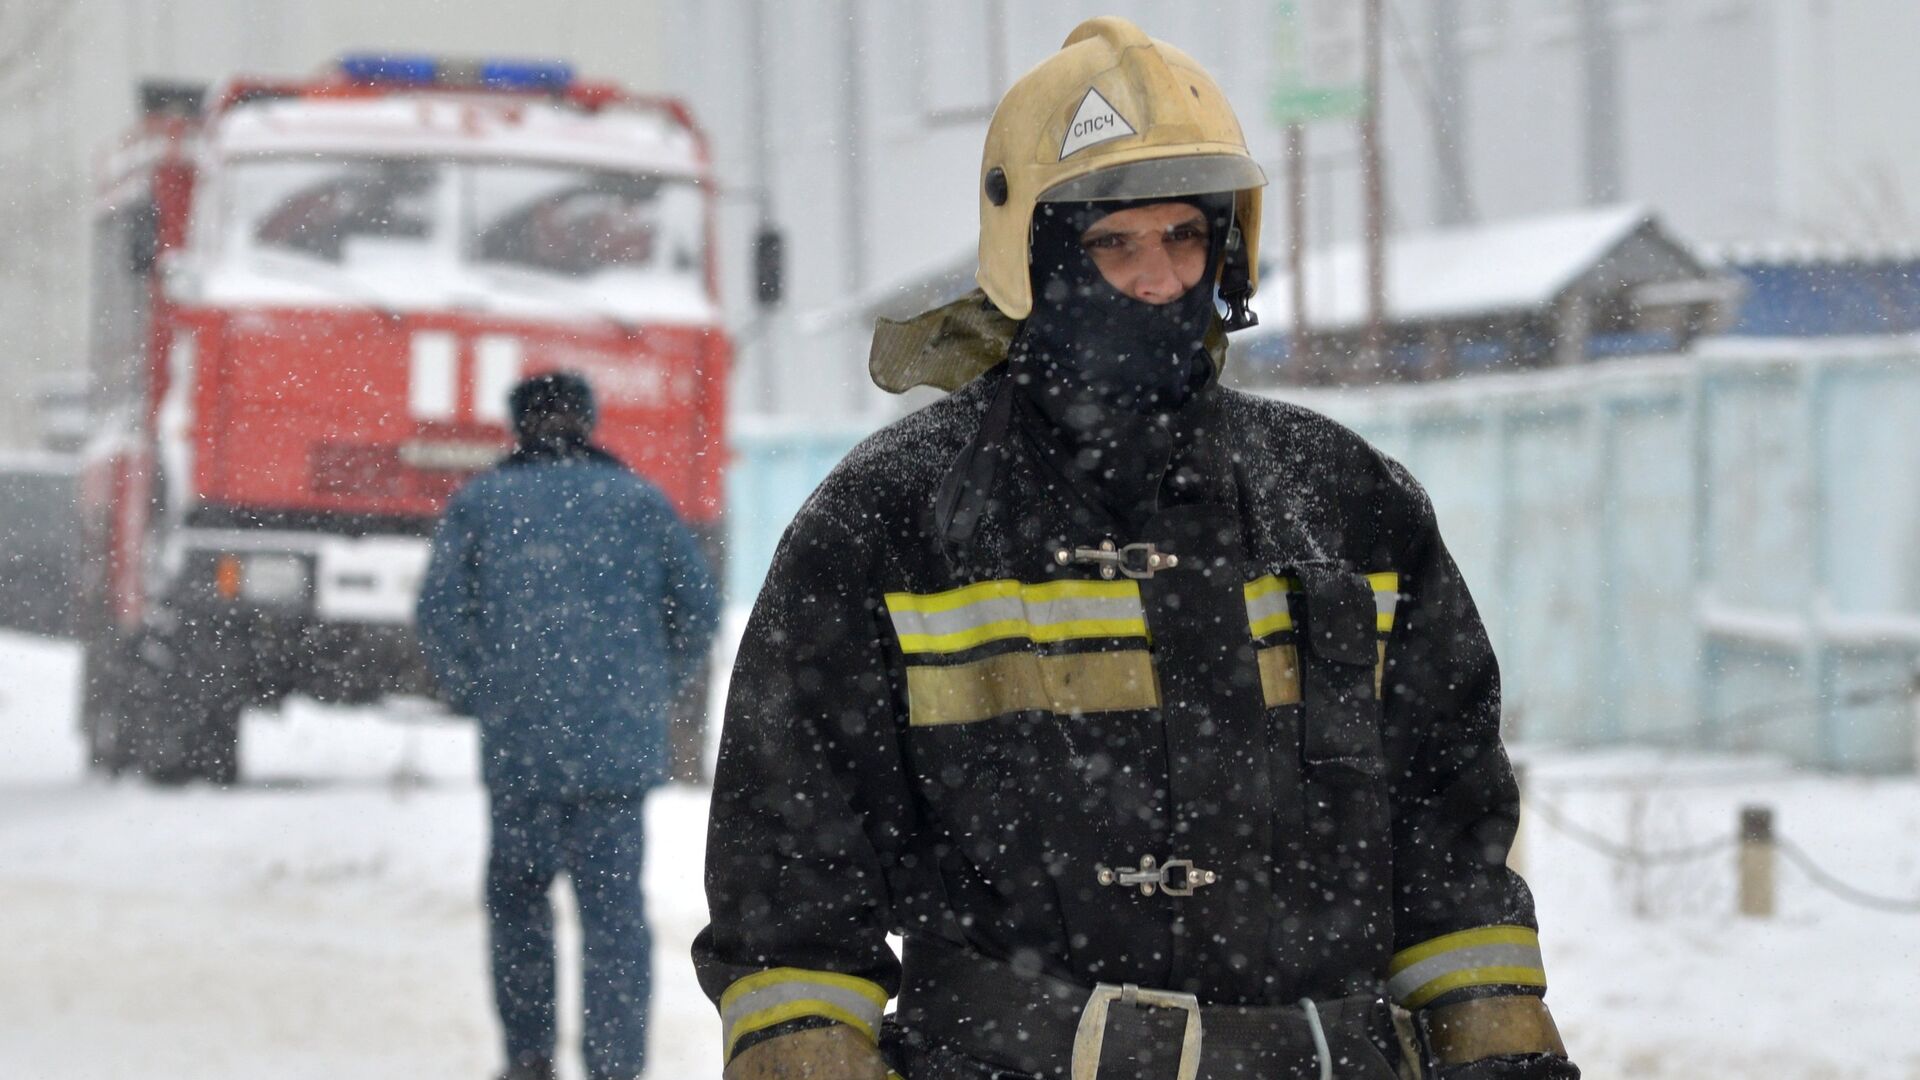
column 327, row 616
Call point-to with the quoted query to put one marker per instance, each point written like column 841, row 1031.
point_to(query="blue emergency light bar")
column 390, row 68
column 398, row 69
column 526, row 74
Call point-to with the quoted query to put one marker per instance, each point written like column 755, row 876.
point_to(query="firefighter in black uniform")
column 1154, row 717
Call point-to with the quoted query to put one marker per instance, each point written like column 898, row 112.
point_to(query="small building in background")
column 1528, row 293
column 1808, row 290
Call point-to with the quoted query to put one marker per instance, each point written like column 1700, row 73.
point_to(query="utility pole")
column 767, row 394
column 1303, row 358
column 1450, row 125
column 1373, row 350
column 854, row 208
column 853, row 143
column 1600, row 71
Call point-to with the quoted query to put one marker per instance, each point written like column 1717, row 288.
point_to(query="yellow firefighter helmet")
column 1114, row 114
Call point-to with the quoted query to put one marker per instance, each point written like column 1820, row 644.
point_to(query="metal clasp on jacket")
column 1134, row 560
column 1175, row 877
column 1092, row 1032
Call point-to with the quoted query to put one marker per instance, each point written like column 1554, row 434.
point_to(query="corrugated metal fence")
column 1719, row 550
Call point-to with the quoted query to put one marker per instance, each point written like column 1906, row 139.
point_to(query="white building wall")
column 1741, row 121
column 1700, row 117
column 1696, row 105
column 1522, row 148
column 1850, row 164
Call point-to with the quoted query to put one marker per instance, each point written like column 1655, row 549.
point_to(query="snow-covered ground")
column 323, row 920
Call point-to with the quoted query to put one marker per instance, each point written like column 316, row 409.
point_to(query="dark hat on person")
column 556, row 403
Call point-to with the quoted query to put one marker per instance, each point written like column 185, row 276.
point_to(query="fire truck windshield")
column 575, row 223
column 419, row 232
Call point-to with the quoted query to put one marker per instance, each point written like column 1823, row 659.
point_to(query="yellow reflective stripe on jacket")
column 960, row 619
column 766, row 998
column 1279, row 675
column 1267, row 611
column 1386, row 599
column 1485, row 956
column 1069, row 684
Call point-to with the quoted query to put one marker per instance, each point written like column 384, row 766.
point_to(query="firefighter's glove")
column 833, row 1052
column 1513, row 1067
column 1496, row 1037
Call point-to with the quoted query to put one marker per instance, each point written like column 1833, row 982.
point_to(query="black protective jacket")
column 963, row 740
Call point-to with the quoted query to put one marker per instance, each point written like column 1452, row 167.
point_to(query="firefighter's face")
column 1153, row 254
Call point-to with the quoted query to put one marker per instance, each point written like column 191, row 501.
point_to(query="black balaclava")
column 1088, row 349
column 1094, row 372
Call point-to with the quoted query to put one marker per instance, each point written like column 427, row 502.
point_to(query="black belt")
column 993, row 1012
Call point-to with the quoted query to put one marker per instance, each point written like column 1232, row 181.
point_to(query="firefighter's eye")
column 1105, row 242
column 1189, row 233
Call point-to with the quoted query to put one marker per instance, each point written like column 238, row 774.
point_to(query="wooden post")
column 1438, row 362
column 1572, row 326
column 1756, row 861
column 1636, row 870
column 1914, row 700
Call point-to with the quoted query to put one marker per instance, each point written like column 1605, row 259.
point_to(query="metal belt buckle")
column 1137, row 561
column 1092, row 1033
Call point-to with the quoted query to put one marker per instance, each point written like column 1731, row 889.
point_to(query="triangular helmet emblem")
column 1094, row 122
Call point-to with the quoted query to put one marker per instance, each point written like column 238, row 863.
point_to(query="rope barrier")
column 1852, row 894
column 1625, row 852
column 1794, row 853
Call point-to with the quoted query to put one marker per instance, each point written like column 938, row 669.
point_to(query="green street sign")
column 1297, row 99
column 1305, row 104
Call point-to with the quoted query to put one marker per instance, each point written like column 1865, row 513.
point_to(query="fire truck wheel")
column 203, row 723
column 195, row 726
column 103, row 703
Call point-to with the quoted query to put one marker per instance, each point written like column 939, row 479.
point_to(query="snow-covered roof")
column 1508, row 266
column 1814, row 252
column 425, row 125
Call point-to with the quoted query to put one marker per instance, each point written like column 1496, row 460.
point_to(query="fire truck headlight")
column 272, row 578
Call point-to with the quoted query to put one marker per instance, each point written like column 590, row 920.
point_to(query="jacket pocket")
column 1339, row 688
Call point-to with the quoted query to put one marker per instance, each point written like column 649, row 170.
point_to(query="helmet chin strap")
column 1236, row 283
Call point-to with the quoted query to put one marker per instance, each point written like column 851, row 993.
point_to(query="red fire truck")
column 310, row 300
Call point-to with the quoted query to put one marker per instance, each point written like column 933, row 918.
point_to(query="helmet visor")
column 1161, row 177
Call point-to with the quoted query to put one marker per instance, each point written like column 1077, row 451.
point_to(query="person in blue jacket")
column 564, row 606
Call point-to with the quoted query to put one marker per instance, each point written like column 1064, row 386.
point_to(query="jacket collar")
column 1004, row 507
column 954, row 344
column 546, row 452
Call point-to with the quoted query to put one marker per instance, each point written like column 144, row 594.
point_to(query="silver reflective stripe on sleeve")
column 1486, row 956
column 767, row 998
